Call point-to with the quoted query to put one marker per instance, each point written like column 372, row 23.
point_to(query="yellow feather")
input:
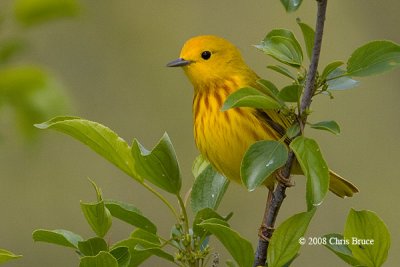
column 216, row 69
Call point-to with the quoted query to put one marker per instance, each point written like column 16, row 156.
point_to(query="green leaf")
column 30, row 91
column 369, row 237
column 260, row 161
column 291, row 5
column 268, row 87
column 140, row 234
column 9, row 48
column 32, row 94
column 103, row 259
column 122, row 255
column 92, row 246
column 20, row 80
column 150, row 243
column 176, row 235
column 239, row 248
column 249, row 97
column 158, row 166
column 98, row 137
column 157, row 251
column 330, row 68
column 339, row 245
column 308, row 35
column 282, row 45
column 99, row 195
column 136, row 244
column 284, row 244
column 136, row 257
column 208, row 190
column 6, row 256
column 31, row 12
column 284, row 71
column 337, row 80
column 59, row 237
column 230, row 263
column 374, row 58
column 98, row 217
column 293, row 131
column 144, row 241
column 314, row 167
column 291, row 93
column 130, row 214
column 330, row 126
column 199, row 165
column 203, row 215
column 289, row 263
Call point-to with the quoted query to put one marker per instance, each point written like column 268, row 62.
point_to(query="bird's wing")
column 275, row 118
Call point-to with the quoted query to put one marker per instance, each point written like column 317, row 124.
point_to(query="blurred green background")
column 111, row 61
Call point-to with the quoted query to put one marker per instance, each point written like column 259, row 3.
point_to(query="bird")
column 216, row 69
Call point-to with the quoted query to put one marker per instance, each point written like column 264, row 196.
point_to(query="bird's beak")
column 180, row 62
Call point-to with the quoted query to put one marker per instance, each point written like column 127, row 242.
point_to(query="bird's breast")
column 224, row 136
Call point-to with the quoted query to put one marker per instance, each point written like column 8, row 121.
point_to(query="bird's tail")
column 340, row 186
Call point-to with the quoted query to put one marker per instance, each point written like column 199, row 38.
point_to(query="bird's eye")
column 205, row 55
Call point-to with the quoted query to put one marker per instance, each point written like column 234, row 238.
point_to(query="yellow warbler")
column 216, row 68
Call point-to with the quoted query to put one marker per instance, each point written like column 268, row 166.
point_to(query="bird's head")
column 207, row 59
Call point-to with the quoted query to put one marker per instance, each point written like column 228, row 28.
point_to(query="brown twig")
column 276, row 197
column 309, row 88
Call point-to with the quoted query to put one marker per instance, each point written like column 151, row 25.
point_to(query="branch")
column 309, row 88
column 276, row 197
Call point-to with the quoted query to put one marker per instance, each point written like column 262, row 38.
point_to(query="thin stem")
column 272, row 207
column 162, row 198
column 187, row 230
column 276, row 197
column 185, row 216
column 312, row 72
